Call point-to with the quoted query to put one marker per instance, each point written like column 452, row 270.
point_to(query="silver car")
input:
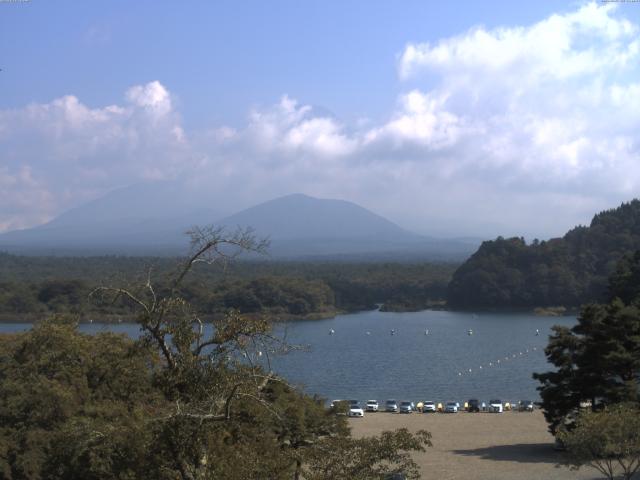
column 407, row 407
column 451, row 407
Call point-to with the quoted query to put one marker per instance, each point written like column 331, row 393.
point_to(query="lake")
column 363, row 360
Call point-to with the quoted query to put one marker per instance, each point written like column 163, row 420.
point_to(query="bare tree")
column 207, row 363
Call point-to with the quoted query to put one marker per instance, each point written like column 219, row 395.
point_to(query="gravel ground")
column 483, row 446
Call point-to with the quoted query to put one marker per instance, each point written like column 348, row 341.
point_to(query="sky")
column 449, row 118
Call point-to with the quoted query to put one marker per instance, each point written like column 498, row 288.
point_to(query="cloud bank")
column 525, row 129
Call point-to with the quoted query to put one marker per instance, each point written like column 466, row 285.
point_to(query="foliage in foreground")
column 598, row 360
column 188, row 400
column 366, row 458
column 608, row 441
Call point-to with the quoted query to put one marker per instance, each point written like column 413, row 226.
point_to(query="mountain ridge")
column 300, row 226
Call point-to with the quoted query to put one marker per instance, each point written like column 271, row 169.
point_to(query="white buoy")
column 459, row 374
column 469, row 370
column 259, row 353
column 470, row 332
column 332, row 331
column 368, row 333
column 393, row 331
column 426, row 332
column 480, row 367
column 537, row 332
column 490, row 364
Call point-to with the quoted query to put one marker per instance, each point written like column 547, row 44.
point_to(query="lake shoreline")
column 113, row 319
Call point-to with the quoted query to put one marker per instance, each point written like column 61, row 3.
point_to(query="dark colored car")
column 525, row 406
column 473, row 405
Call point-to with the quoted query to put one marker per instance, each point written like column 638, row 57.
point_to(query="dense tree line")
column 567, row 271
column 598, row 359
column 592, row 398
column 33, row 286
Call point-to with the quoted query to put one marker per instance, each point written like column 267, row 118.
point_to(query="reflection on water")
column 427, row 355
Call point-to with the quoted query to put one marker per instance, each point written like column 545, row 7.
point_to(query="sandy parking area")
column 483, row 446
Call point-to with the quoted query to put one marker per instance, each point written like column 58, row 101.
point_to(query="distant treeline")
column 35, row 286
column 567, row 271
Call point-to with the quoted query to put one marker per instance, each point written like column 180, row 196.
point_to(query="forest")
column 567, row 271
column 176, row 403
column 33, row 287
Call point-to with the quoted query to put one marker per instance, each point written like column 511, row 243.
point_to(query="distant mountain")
column 146, row 218
column 567, row 271
column 151, row 219
column 302, row 226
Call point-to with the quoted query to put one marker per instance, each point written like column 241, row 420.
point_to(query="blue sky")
column 412, row 109
column 220, row 58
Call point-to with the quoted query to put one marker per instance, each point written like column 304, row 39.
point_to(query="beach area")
column 483, row 446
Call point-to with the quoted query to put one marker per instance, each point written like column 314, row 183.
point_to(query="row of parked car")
column 354, row 409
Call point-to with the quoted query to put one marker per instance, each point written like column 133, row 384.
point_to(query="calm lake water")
column 352, row 363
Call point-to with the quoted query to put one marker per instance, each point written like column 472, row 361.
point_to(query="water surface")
column 363, row 360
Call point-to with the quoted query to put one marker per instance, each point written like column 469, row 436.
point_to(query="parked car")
column 391, row 406
column 473, row 405
column 407, row 407
column 525, row 406
column 355, row 410
column 495, row 406
column 372, row 406
column 428, row 407
column 451, row 407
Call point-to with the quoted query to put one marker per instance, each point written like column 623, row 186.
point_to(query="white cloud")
column 522, row 129
column 23, row 199
column 559, row 47
column 421, row 119
column 153, row 97
column 291, row 129
column 60, row 153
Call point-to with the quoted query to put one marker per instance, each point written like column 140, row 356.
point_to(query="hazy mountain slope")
column 303, row 226
column 301, row 216
column 151, row 219
column 568, row 271
column 150, row 216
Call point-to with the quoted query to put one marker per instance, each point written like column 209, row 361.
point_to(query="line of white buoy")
column 393, row 331
column 522, row 353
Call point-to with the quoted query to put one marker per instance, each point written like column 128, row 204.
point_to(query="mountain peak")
column 301, row 216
